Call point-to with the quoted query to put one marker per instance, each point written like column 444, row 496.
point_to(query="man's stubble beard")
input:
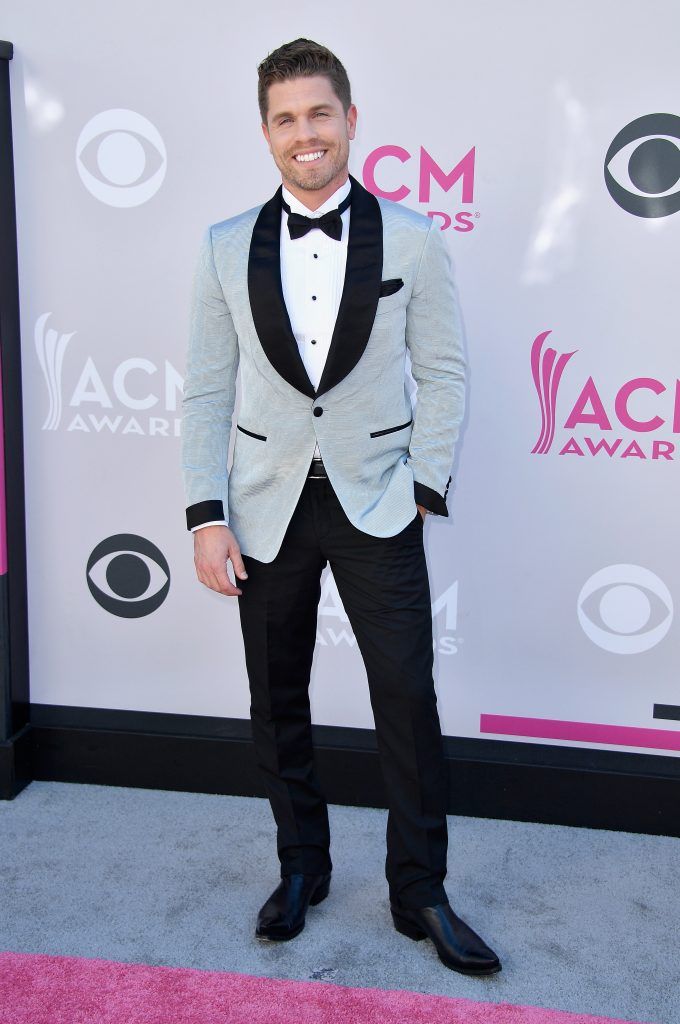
column 318, row 179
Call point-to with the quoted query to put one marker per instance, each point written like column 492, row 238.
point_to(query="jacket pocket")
column 388, row 430
column 260, row 437
column 391, row 286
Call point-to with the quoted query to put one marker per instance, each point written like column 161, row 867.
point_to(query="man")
column 316, row 295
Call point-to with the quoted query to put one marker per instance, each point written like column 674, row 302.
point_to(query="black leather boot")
column 283, row 915
column 458, row 946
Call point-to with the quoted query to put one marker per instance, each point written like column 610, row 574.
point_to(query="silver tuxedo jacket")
column 381, row 454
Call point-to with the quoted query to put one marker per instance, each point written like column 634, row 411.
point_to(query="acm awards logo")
column 391, row 184
column 646, row 152
column 128, row 576
column 135, row 387
column 334, row 628
column 637, row 423
column 641, row 171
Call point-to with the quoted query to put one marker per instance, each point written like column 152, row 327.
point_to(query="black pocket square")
column 391, row 286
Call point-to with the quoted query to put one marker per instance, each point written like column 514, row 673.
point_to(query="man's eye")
column 321, row 113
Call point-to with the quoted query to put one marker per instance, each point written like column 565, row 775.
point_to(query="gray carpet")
column 583, row 920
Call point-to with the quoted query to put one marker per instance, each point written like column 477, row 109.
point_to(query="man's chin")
column 311, row 185
column 314, row 180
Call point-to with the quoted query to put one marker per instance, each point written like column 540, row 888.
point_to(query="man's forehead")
column 299, row 93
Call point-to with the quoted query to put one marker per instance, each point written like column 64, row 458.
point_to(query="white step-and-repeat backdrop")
column 545, row 140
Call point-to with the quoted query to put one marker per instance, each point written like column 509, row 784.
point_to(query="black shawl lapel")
column 358, row 302
column 267, row 304
column 361, row 291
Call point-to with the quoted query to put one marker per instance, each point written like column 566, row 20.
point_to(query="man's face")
column 306, row 117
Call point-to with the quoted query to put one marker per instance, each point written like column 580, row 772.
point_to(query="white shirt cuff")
column 213, row 522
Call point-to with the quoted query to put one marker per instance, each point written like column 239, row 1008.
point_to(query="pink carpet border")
column 40, row 988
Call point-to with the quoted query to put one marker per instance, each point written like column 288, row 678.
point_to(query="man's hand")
column 422, row 510
column 213, row 545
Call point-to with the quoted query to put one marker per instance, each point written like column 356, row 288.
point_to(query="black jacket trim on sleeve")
column 204, row 512
column 431, row 499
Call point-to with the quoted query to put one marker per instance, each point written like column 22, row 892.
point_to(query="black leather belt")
column 317, row 470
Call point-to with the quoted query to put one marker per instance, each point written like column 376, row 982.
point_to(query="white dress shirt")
column 312, row 279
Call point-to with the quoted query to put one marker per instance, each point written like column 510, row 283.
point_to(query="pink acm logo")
column 601, row 430
column 428, row 171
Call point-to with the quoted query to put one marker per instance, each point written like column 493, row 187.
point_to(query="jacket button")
column 318, row 411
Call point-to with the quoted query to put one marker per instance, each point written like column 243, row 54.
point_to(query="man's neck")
column 314, row 198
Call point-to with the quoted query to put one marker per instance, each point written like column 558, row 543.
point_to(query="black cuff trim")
column 204, row 512
column 430, row 499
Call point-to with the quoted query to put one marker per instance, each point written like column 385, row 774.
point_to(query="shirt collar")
column 331, row 203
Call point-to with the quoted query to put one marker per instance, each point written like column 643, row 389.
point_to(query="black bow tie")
column 330, row 223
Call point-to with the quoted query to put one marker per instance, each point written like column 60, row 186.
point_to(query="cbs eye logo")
column 634, row 607
column 121, row 158
column 128, row 576
column 647, row 152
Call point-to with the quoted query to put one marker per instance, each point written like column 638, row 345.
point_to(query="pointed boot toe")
column 458, row 946
column 283, row 915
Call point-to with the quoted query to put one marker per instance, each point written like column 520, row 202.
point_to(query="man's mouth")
column 309, row 158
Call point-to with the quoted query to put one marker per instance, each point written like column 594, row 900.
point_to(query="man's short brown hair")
column 301, row 58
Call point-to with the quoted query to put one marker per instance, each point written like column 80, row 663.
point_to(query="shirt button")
column 313, row 341
column 316, row 256
column 314, row 298
column 318, row 411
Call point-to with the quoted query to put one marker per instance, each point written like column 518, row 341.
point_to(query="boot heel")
column 408, row 927
column 320, row 893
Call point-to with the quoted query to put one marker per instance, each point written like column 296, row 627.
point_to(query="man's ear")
column 351, row 121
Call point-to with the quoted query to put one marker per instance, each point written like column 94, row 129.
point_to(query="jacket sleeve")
column 209, row 394
column 435, row 342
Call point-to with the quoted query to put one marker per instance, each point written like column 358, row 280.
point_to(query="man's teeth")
column 306, row 157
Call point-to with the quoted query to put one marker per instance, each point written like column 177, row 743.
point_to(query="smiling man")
column 317, row 295
column 312, row 172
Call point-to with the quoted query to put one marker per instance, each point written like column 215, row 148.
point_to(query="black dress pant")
column 384, row 587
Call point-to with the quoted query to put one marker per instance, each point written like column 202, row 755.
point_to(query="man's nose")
column 305, row 129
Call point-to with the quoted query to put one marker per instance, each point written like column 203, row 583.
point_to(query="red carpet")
column 43, row 989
